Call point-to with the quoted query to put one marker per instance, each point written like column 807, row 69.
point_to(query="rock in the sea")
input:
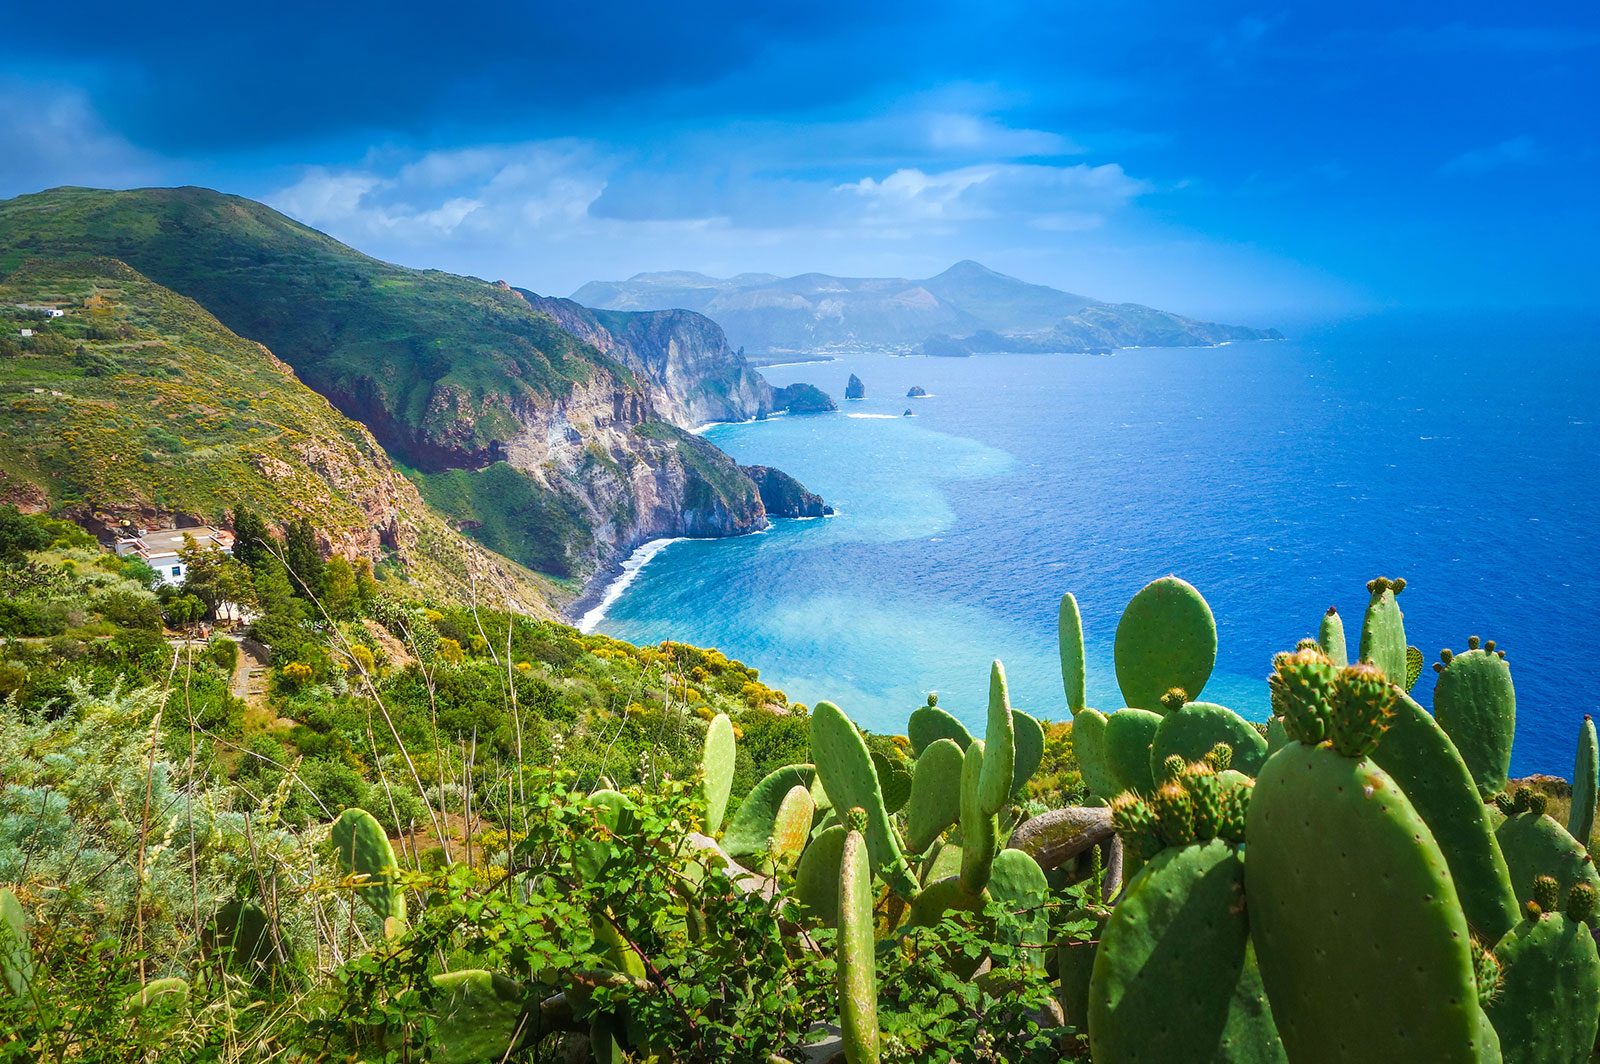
column 908, row 413
column 917, row 392
column 784, row 496
column 855, row 389
column 803, row 399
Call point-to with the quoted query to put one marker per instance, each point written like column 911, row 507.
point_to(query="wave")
column 874, row 417
column 630, row 572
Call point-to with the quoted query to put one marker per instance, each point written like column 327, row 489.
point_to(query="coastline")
column 589, row 608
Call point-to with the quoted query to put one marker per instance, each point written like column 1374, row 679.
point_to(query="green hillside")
column 433, row 363
column 138, row 406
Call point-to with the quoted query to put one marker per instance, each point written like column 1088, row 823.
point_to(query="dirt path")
column 249, row 685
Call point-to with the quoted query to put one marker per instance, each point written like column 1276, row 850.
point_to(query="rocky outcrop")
column 783, row 495
column 854, row 389
column 917, row 392
column 802, row 398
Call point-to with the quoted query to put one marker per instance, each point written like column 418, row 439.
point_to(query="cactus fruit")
column 1129, row 733
column 1330, row 637
column 1000, row 746
column 16, row 955
column 816, row 878
column 1585, row 783
column 753, row 824
column 1345, row 983
column 169, row 993
column 1303, row 684
column 1192, row 731
column 1476, row 705
column 1069, row 637
column 1166, row 638
column 1094, row 757
column 847, row 774
column 1174, row 979
column 929, row 724
column 1383, row 632
column 1535, row 845
column 364, row 850
column 935, row 794
column 479, row 1017
column 1029, row 742
column 979, row 830
column 1419, row 756
column 858, row 974
column 716, row 767
column 894, row 781
column 1547, row 1004
column 791, row 828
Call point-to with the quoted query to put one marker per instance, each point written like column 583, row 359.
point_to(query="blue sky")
column 1226, row 159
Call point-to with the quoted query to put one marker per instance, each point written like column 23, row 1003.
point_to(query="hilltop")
column 137, row 406
column 563, row 447
column 966, row 309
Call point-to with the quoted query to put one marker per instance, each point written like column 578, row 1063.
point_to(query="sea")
column 1278, row 477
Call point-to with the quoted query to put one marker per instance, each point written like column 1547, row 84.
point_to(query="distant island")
column 968, row 309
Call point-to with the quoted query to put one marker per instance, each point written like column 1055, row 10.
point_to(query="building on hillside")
column 159, row 548
column 49, row 312
column 26, row 333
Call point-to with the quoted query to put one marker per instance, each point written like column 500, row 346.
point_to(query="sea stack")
column 855, row 389
column 917, row 392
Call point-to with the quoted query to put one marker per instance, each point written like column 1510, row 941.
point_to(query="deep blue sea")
column 1277, row 477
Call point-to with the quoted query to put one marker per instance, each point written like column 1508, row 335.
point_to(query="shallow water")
column 1277, row 477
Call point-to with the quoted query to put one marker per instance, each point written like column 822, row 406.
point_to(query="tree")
column 184, row 610
column 282, row 619
column 304, row 558
column 250, row 537
column 215, row 578
column 339, row 594
column 366, row 585
column 20, row 533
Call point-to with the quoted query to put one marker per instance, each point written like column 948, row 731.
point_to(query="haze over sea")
column 1277, row 477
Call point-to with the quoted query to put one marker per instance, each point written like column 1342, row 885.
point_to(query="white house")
column 49, row 312
column 159, row 548
column 26, row 333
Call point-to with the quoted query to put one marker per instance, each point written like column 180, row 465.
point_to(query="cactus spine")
column 858, row 976
column 1585, row 783
column 1166, row 638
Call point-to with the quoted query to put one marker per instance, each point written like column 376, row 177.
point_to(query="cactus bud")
column 1333, row 611
column 1538, row 803
column 1174, row 809
column 1136, row 824
column 1472, row 642
column 1235, row 808
column 1175, row 699
column 1545, row 893
column 1486, row 972
column 856, row 819
column 1205, row 787
column 1173, row 767
column 1361, row 707
column 1397, row 585
column 1446, row 655
column 1220, row 757
column 1505, row 803
column 1307, row 644
column 1520, row 803
column 1581, row 902
column 1307, row 679
column 933, row 699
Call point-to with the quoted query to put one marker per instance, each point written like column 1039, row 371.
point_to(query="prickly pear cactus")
column 848, row 776
column 1029, row 746
column 1420, row 757
column 169, row 993
column 753, row 824
column 1166, row 638
column 1585, row 781
column 1476, row 705
column 1017, row 882
column 929, row 724
column 816, row 878
column 999, row 746
column 979, row 830
column 478, row 1016
column 1190, row 730
column 1383, row 630
column 1535, row 845
column 364, row 850
column 1413, row 667
column 1547, row 1005
column 1346, row 963
column 894, row 781
column 791, row 828
column 858, row 973
column 935, row 794
column 1069, row 637
column 1129, row 734
column 1174, row 977
column 1330, row 637
column 1075, row 957
column 1094, row 756
column 16, row 955
column 243, row 935
column 717, row 765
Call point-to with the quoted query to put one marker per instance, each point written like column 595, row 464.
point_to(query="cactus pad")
column 752, row 825
column 1174, row 980
column 791, row 828
column 478, row 1016
column 1069, row 637
column 16, row 955
column 1192, row 732
column 1166, row 638
column 858, row 973
column 1383, row 631
column 816, row 879
column 1330, row 637
column 1476, row 705
column 1129, row 733
column 1093, row 755
column 1345, row 965
column 999, row 746
column 364, row 850
column 894, row 781
column 929, row 724
column 1547, row 1003
column 717, row 766
column 845, row 767
column 1534, row 846
column 1029, row 741
column 1585, row 783
column 1017, row 882
column 935, row 794
column 979, row 830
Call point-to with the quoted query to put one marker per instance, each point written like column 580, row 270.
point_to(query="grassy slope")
column 435, row 364
column 170, row 412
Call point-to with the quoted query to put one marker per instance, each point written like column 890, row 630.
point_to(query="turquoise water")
column 1276, row 477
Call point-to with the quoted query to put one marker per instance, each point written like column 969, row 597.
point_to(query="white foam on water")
column 630, row 572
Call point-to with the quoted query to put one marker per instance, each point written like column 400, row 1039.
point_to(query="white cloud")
column 1517, row 151
column 1049, row 197
column 53, row 136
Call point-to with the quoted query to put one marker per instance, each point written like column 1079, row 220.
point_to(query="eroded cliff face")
column 683, row 356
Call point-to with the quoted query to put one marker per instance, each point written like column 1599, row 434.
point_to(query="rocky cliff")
column 783, row 495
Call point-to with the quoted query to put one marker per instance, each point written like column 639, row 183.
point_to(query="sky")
column 1224, row 159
